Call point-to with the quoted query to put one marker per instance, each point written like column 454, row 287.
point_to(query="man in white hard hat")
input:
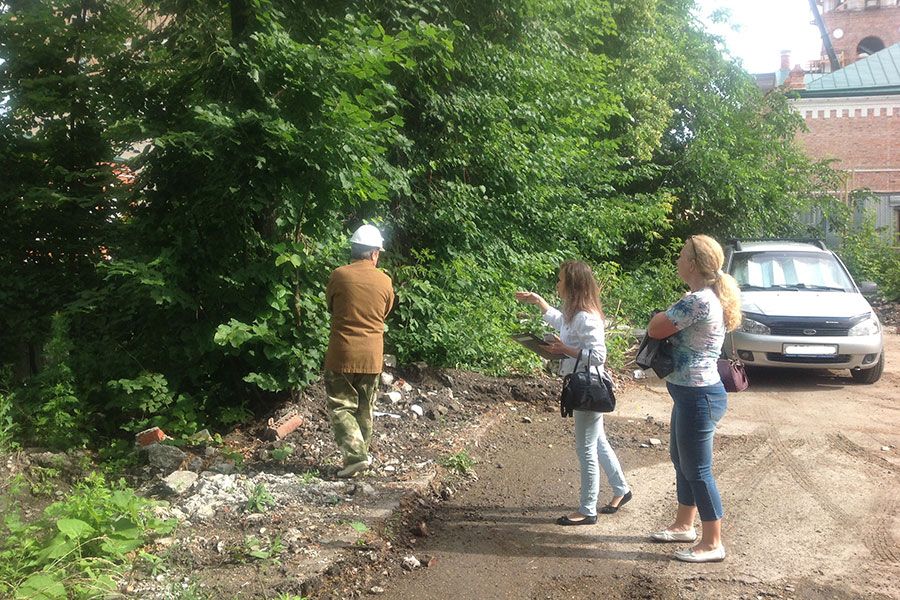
column 359, row 299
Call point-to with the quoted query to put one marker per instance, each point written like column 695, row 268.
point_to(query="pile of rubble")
column 272, row 489
column 889, row 315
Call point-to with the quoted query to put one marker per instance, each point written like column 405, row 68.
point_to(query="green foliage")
column 283, row 453
column 459, row 462
column 309, row 476
column 80, row 545
column 50, row 411
column 193, row 591
column 870, row 257
column 259, row 499
column 491, row 141
column 259, row 549
column 42, row 480
column 236, row 456
column 359, row 527
column 8, row 426
column 148, row 399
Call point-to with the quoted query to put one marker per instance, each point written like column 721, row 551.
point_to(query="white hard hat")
column 367, row 235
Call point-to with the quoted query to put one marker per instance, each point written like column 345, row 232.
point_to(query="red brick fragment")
column 277, row 430
column 150, row 436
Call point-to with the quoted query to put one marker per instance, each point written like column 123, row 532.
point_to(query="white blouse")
column 585, row 331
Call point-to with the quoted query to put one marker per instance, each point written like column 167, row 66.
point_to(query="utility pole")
column 826, row 41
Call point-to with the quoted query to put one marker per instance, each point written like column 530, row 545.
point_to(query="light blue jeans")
column 594, row 451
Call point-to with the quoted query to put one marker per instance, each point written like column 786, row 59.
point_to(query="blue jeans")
column 593, row 450
column 694, row 416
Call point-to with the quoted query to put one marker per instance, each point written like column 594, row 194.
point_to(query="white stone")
column 393, row 397
column 411, row 562
column 387, row 379
column 417, row 409
column 179, row 482
column 655, row 441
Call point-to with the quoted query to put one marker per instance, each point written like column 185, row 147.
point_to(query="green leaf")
column 359, row 526
column 41, row 586
column 120, row 547
column 74, row 528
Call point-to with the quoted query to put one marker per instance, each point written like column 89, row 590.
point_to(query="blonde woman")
column 581, row 334
column 697, row 324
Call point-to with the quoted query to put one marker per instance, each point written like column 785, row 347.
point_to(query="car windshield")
column 789, row 271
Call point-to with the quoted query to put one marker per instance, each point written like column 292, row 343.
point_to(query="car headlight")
column 754, row 327
column 868, row 326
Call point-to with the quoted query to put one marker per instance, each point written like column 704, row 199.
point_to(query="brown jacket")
column 359, row 298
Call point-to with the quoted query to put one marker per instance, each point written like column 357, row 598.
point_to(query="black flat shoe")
column 565, row 520
column 610, row 509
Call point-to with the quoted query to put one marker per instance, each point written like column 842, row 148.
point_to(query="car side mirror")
column 868, row 288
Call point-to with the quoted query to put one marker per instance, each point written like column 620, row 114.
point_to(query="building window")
column 872, row 3
column 869, row 46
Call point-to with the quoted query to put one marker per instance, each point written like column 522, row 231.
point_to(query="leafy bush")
column 51, row 412
column 8, row 426
column 870, row 257
column 149, row 403
column 80, row 545
column 490, row 140
column 259, row 499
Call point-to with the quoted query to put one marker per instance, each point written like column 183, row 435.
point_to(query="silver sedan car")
column 802, row 309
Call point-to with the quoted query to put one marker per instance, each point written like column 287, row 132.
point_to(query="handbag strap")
column 734, row 355
column 588, row 366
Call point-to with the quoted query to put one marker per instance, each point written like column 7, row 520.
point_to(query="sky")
column 759, row 30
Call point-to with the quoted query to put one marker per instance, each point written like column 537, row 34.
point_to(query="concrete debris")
column 163, row 457
column 201, row 437
column 179, row 482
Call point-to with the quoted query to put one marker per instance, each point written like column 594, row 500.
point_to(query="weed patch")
column 80, row 545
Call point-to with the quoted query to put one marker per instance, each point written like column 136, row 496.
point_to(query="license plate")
column 809, row 350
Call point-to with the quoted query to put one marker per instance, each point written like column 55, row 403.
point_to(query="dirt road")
column 808, row 464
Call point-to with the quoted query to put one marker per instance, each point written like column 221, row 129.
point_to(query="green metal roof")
column 878, row 73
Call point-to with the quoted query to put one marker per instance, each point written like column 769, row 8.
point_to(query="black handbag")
column 586, row 390
column 655, row 354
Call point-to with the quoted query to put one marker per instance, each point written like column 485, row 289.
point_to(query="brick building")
column 859, row 28
column 853, row 113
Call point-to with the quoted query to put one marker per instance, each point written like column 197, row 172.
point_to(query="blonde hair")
column 709, row 258
column 582, row 291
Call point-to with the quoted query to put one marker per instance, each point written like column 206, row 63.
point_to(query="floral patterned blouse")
column 699, row 319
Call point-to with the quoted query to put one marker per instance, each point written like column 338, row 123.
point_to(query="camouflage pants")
column 351, row 402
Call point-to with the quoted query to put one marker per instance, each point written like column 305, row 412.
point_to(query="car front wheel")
column 869, row 375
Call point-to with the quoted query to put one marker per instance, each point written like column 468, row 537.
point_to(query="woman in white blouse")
column 580, row 326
